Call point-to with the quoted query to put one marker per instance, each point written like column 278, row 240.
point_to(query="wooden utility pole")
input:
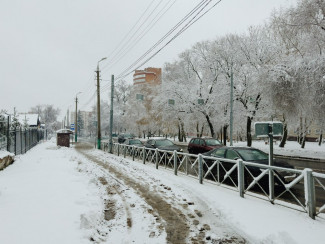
column 76, row 120
column 98, row 110
column 68, row 119
column 99, row 137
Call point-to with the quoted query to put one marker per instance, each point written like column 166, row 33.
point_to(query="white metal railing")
column 297, row 188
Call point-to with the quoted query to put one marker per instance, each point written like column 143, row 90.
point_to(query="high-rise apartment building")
column 147, row 76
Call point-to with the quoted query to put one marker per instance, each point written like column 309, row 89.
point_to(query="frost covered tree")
column 48, row 115
column 15, row 124
column 121, row 96
column 193, row 82
column 301, row 66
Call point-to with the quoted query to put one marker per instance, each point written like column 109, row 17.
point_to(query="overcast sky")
column 49, row 49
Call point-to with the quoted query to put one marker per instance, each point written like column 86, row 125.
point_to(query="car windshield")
column 128, row 136
column 252, row 154
column 132, row 142
column 212, row 142
column 164, row 143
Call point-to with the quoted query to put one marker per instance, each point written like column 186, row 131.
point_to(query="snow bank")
column 292, row 148
column 4, row 154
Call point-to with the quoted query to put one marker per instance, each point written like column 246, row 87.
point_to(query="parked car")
column 163, row 144
column 253, row 155
column 133, row 142
column 122, row 137
column 202, row 145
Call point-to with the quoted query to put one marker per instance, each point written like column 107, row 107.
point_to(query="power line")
column 152, row 23
column 130, row 31
column 198, row 7
column 196, row 11
column 191, row 22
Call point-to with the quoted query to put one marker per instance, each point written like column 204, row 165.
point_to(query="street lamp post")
column 76, row 119
column 98, row 106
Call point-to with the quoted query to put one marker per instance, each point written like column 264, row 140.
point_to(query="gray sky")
column 50, row 49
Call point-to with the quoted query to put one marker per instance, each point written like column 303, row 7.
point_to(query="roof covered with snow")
column 64, row 131
column 30, row 119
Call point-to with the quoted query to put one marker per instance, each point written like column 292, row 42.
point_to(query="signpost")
column 269, row 129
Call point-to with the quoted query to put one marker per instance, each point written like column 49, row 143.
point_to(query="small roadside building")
column 63, row 137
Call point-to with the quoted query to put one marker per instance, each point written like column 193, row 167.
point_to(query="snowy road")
column 83, row 195
column 171, row 216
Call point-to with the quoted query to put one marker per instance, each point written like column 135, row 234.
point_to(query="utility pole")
column 111, row 117
column 98, row 110
column 75, row 122
column 231, row 103
column 99, row 137
column 68, row 121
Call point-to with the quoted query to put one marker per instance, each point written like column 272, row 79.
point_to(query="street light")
column 98, row 106
column 76, row 119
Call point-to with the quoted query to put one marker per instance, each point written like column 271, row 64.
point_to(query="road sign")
column 72, row 127
column 263, row 129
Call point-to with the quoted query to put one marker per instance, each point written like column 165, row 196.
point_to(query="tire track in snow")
column 174, row 221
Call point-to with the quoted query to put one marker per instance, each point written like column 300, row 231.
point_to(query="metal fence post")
column 15, row 141
column 157, row 158
column 118, row 149
column 21, row 140
column 271, row 173
column 133, row 152
column 8, row 135
column 175, row 162
column 200, row 168
column 186, row 164
column 310, row 192
column 144, row 155
column 25, row 140
column 241, row 184
column 124, row 151
column 29, row 139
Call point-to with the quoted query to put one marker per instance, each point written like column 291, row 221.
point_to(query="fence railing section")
column 303, row 190
column 19, row 141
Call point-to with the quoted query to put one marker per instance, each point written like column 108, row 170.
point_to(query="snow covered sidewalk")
column 43, row 198
column 64, row 195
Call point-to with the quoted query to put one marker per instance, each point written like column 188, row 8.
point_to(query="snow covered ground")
column 64, row 195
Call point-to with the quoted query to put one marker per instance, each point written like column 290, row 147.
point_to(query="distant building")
column 86, row 117
column 147, row 76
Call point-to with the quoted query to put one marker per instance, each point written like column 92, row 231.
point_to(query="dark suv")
column 163, row 144
column 202, row 145
column 122, row 137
